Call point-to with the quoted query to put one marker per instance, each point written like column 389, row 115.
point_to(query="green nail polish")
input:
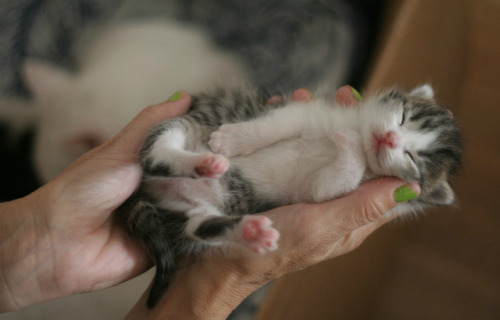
column 404, row 193
column 176, row 96
column 356, row 94
column 311, row 93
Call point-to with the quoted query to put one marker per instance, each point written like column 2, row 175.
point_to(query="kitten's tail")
column 165, row 267
column 155, row 228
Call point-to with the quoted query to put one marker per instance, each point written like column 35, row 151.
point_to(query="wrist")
column 25, row 257
column 204, row 288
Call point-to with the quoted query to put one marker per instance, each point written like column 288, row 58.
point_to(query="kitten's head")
column 411, row 136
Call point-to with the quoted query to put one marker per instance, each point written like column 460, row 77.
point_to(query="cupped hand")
column 93, row 251
column 76, row 245
column 311, row 233
column 210, row 286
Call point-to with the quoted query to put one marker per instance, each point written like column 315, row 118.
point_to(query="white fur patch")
column 164, row 147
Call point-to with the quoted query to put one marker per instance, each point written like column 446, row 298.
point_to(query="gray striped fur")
column 443, row 158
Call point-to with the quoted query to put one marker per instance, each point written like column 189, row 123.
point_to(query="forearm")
column 204, row 289
column 25, row 262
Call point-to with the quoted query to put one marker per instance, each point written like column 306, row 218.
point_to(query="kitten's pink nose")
column 390, row 139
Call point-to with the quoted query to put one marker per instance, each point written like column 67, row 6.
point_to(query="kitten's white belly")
column 283, row 173
column 287, row 171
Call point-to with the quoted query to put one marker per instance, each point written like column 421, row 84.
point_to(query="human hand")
column 345, row 95
column 73, row 244
column 211, row 286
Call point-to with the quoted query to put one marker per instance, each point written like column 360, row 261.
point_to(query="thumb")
column 372, row 200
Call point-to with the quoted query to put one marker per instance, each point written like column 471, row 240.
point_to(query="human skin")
column 211, row 286
column 62, row 239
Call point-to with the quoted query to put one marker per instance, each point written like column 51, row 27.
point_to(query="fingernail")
column 176, row 96
column 356, row 94
column 405, row 193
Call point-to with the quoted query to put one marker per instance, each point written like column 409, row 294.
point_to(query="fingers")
column 336, row 227
column 302, row 94
column 347, row 96
column 371, row 201
column 132, row 136
column 314, row 232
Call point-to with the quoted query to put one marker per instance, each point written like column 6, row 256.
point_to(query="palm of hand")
column 89, row 249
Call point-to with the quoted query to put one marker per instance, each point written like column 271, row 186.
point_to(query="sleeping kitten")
column 268, row 156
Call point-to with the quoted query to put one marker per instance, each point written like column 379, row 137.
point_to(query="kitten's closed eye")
column 410, row 156
column 403, row 118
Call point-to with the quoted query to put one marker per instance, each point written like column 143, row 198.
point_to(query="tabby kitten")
column 268, row 156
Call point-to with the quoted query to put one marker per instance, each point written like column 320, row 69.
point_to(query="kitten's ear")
column 440, row 194
column 425, row 92
column 44, row 80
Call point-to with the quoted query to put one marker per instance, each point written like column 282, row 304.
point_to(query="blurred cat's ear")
column 424, row 92
column 440, row 194
column 44, row 80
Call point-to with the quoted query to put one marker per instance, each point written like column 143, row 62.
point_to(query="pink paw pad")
column 212, row 166
column 258, row 234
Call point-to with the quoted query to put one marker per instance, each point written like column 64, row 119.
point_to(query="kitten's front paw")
column 257, row 234
column 211, row 166
column 230, row 140
column 221, row 141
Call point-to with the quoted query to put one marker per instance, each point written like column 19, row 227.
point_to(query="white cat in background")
column 122, row 70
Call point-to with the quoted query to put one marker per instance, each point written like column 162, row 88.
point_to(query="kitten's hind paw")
column 257, row 234
column 231, row 141
column 211, row 166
